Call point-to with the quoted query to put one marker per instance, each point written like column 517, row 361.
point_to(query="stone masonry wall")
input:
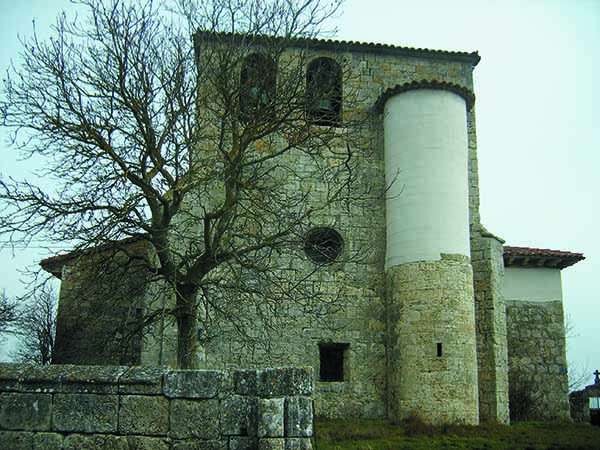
column 360, row 322
column 101, row 331
column 537, row 358
column 135, row 408
column 474, row 216
column 490, row 319
column 433, row 362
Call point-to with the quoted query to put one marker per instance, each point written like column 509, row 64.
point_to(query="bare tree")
column 36, row 327
column 579, row 374
column 206, row 149
column 8, row 313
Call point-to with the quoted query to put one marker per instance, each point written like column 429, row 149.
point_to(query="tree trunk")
column 187, row 326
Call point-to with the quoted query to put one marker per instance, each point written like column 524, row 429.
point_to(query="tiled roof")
column 368, row 47
column 54, row 264
column 539, row 257
column 463, row 92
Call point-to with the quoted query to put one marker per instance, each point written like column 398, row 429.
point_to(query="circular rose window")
column 323, row 245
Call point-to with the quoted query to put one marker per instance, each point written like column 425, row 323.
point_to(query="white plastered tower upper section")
column 426, row 167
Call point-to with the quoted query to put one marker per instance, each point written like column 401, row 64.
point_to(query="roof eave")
column 472, row 58
column 540, row 258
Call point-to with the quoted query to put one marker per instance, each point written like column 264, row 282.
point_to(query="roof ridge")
column 378, row 47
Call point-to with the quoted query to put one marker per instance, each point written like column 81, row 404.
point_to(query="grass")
column 415, row 435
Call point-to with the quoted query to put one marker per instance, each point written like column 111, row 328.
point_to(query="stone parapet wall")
column 137, row 408
column 537, row 360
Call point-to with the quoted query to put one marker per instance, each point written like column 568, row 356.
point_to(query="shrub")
column 414, row 425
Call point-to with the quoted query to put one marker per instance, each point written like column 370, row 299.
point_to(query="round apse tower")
column 429, row 279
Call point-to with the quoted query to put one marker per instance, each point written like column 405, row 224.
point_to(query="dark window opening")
column 323, row 245
column 439, row 349
column 324, row 92
column 332, row 361
column 257, row 87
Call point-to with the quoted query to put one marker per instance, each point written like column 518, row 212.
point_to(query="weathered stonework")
column 490, row 314
column 433, row 362
column 85, row 413
column 143, row 415
column 20, row 411
column 158, row 417
column 537, row 356
column 83, row 327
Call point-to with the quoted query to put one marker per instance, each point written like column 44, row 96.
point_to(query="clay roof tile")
column 540, row 257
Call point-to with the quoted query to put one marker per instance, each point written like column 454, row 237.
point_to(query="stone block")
column 142, row 380
column 95, row 442
column 147, row 443
column 270, row 417
column 194, row 419
column 92, row 379
column 11, row 376
column 243, row 443
column 298, row 417
column 25, row 411
column 47, row 441
column 200, row 445
column 271, row 444
column 193, row 383
column 279, row 382
column 147, row 415
column 64, row 378
column 298, row 444
column 245, row 382
column 88, row 413
column 238, row 416
column 16, row 440
column 38, row 378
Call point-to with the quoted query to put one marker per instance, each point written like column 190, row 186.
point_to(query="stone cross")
column 597, row 377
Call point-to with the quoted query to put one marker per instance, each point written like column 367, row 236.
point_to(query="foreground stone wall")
column 135, row 408
column 537, row 359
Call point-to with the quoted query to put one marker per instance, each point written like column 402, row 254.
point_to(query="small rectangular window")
column 439, row 349
column 331, row 356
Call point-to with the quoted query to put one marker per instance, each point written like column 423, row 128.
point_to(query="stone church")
column 442, row 317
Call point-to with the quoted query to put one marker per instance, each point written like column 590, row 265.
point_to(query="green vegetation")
column 413, row 434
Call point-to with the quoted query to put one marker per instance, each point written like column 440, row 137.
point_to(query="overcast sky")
column 537, row 122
